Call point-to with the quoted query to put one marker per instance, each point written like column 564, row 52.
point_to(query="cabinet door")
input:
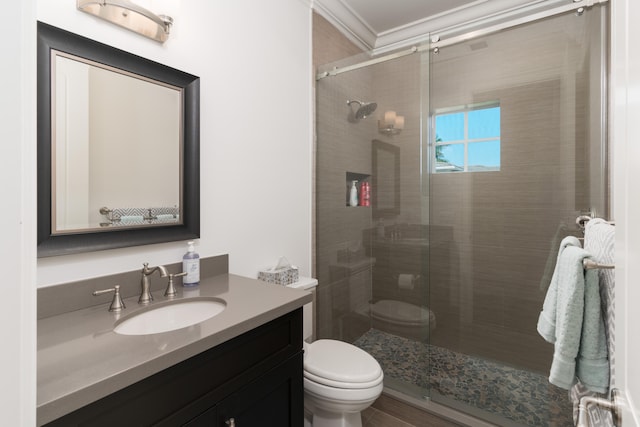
column 206, row 419
column 191, row 389
column 275, row 399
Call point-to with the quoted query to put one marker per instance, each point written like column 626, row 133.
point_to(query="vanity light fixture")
column 391, row 124
column 130, row 16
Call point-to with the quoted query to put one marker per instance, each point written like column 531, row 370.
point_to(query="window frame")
column 466, row 140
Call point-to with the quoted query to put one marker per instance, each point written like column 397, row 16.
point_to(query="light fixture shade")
column 391, row 124
column 130, row 16
column 389, row 118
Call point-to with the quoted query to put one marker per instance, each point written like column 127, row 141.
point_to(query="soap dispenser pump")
column 353, row 193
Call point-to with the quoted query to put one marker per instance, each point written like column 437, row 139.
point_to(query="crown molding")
column 349, row 23
column 455, row 21
column 461, row 20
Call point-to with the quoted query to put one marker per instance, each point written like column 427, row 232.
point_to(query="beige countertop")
column 81, row 359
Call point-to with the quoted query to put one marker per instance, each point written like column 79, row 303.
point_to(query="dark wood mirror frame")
column 49, row 244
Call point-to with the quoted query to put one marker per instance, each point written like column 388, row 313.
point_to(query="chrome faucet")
column 145, row 294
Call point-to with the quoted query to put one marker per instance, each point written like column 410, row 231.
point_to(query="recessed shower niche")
column 359, row 179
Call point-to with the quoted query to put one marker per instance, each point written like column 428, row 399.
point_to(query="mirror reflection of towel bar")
column 590, row 264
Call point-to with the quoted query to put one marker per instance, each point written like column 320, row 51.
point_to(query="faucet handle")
column 171, row 290
column 116, row 304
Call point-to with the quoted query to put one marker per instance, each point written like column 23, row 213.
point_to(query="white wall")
column 626, row 144
column 254, row 61
column 148, row 177
column 71, row 145
column 17, row 216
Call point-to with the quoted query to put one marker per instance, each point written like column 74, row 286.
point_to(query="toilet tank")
column 309, row 309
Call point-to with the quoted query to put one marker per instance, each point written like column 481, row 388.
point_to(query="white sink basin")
column 169, row 317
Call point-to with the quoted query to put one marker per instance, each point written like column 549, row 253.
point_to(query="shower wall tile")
column 341, row 147
column 507, row 224
column 329, row 45
column 399, row 88
column 493, row 234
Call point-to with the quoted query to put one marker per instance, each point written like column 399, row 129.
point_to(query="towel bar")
column 581, row 221
column 614, row 405
column 590, row 264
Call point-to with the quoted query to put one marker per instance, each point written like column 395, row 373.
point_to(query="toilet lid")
column 402, row 312
column 334, row 362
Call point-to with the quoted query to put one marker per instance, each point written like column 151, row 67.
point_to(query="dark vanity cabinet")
column 254, row 379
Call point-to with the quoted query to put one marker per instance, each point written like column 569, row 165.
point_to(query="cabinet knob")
column 231, row 422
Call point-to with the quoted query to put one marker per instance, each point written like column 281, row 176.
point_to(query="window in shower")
column 467, row 139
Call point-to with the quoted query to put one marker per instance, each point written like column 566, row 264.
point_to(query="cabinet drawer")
column 274, row 399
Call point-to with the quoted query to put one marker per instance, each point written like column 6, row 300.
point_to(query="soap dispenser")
column 353, row 193
column 191, row 266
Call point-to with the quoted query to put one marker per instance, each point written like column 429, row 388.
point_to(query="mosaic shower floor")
column 520, row 396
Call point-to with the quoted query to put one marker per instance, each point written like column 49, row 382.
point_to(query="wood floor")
column 372, row 417
column 389, row 412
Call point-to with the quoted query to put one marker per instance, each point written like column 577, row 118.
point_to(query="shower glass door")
column 441, row 277
column 372, row 259
column 517, row 125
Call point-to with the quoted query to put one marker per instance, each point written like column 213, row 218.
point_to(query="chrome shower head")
column 365, row 109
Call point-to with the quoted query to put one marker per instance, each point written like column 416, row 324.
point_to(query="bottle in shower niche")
column 365, row 194
column 353, row 194
column 191, row 266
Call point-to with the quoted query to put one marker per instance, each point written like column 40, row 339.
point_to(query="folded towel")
column 165, row 217
column 571, row 319
column 131, row 218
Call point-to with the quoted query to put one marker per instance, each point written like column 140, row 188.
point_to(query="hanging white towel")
column 600, row 242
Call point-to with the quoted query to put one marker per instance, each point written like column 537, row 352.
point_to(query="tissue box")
column 280, row 276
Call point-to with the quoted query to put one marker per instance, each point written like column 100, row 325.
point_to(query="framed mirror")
column 118, row 148
column 385, row 179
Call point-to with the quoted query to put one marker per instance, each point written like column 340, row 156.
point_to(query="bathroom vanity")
column 241, row 367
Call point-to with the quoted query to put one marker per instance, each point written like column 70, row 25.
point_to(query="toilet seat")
column 402, row 313
column 342, row 396
column 341, row 365
column 342, row 384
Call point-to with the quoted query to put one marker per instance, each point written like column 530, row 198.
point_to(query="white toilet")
column 403, row 319
column 340, row 379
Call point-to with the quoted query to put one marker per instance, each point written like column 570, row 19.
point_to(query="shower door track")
column 436, row 42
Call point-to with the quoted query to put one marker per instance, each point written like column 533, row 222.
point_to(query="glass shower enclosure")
column 442, row 274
